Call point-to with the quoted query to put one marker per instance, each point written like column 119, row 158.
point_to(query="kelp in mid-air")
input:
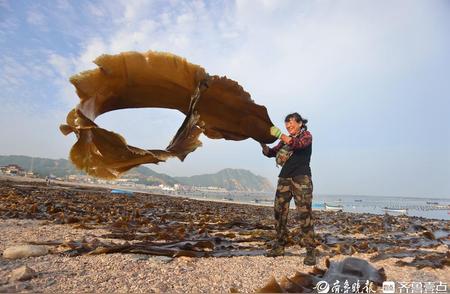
column 216, row 106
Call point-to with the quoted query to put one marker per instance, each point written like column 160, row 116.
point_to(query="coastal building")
column 211, row 189
column 166, row 188
column 13, row 170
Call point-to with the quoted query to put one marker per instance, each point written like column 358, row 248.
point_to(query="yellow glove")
column 276, row 132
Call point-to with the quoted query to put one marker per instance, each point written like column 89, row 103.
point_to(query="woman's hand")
column 285, row 139
column 265, row 149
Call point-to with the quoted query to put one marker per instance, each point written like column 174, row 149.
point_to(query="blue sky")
column 372, row 77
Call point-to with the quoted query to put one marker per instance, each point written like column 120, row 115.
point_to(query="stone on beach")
column 23, row 273
column 351, row 270
column 21, row 251
column 162, row 259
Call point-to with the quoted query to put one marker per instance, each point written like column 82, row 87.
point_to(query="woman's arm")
column 300, row 142
column 272, row 152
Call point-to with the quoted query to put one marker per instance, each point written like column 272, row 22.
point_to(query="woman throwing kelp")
column 293, row 153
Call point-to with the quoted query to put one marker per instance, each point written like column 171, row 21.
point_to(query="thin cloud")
column 360, row 71
column 36, row 18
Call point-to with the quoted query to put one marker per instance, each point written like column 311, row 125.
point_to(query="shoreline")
column 292, row 207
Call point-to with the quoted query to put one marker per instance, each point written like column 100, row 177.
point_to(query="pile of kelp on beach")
column 176, row 226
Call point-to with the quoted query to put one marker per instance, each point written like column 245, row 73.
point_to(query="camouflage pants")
column 299, row 187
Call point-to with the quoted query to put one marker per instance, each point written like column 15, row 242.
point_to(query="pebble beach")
column 97, row 242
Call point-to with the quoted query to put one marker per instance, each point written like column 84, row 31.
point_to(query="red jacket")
column 302, row 140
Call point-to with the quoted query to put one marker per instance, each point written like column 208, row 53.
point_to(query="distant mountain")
column 42, row 166
column 150, row 177
column 230, row 179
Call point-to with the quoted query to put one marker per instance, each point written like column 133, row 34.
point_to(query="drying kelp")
column 352, row 275
column 213, row 105
column 153, row 224
column 347, row 233
column 201, row 247
column 422, row 258
column 430, row 259
column 174, row 226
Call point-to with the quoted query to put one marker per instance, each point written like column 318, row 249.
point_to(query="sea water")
column 432, row 208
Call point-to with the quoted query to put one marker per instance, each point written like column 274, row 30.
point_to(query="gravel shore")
column 78, row 214
column 142, row 274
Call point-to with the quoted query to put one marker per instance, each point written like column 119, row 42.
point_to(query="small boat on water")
column 432, row 202
column 358, row 200
column 395, row 210
column 120, row 191
column 333, row 207
column 318, row 205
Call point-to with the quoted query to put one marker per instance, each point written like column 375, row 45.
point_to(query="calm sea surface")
column 434, row 208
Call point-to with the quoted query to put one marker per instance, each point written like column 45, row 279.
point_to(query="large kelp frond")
column 216, row 106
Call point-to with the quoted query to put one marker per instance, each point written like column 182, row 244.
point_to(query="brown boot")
column 310, row 258
column 277, row 250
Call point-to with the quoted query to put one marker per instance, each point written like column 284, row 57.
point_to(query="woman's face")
column 293, row 127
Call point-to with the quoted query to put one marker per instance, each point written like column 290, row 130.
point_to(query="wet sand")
column 34, row 212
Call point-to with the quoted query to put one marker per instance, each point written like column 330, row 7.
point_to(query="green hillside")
column 230, row 179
